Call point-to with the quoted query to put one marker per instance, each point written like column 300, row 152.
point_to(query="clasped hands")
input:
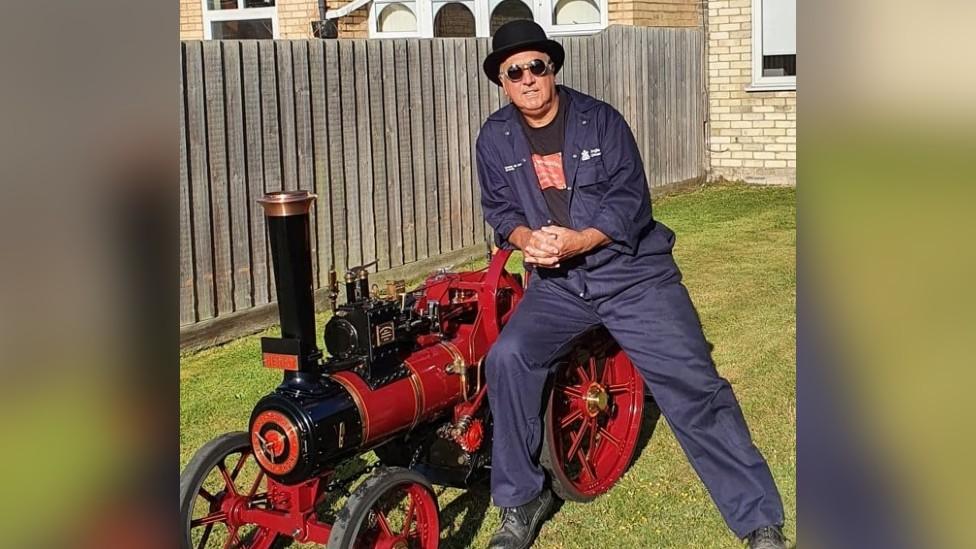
column 551, row 244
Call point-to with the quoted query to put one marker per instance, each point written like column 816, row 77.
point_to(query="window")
column 576, row 13
column 456, row 18
column 508, row 10
column 773, row 45
column 397, row 18
column 239, row 19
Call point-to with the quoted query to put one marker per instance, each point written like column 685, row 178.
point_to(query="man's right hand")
column 537, row 246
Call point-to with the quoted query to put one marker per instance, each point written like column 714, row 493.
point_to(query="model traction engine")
column 404, row 378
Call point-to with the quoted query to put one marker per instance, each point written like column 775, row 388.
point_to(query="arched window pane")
column 454, row 21
column 570, row 12
column 509, row 10
column 397, row 18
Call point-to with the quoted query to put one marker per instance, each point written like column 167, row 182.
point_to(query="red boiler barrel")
column 429, row 390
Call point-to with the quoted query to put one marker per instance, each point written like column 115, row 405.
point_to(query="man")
column 562, row 180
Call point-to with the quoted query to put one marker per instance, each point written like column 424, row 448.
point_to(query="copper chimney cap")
column 285, row 203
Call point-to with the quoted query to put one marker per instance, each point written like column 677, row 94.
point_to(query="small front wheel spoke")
column 384, row 525
column 232, row 540
column 211, row 499
column 227, row 478
column 209, row 519
column 205, row 537
column 239, row 466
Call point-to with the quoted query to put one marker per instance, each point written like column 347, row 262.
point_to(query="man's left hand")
column 571, row 243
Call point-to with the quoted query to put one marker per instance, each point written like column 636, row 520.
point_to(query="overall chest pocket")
column 591, row 183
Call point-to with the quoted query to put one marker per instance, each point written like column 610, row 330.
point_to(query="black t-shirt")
column 546, row 144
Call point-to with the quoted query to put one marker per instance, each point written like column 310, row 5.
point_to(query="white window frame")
column 760, row 82
column 240, row 14
column 420, row 9
column 548, row 8
column 542, row 13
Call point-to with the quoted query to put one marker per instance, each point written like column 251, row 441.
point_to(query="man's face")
column 533, row 95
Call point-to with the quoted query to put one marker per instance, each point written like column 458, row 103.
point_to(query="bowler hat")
column 516, row 36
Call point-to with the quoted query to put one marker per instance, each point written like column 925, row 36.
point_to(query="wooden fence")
column 384, row 132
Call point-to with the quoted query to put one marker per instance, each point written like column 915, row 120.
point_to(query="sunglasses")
column 538, row 67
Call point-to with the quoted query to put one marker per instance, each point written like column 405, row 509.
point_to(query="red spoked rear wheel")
column 593, row 421
column 221, row 479
column 393, row 509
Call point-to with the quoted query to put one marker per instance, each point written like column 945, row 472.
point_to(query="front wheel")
column 395, row 508
column 593, row 422
column 221, row 478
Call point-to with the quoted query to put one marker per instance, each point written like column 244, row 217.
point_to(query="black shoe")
column 519, row 524
column 767, row 537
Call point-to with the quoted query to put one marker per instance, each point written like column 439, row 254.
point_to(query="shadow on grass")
column 473, row 505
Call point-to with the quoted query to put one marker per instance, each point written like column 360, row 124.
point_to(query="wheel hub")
column 596, row 399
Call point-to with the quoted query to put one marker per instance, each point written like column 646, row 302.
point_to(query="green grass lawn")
column 737, row 249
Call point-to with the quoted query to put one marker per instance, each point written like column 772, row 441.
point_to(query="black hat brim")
column 494, row 60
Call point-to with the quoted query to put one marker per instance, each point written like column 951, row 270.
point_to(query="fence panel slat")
column 320, row 155
column 337, row 151
column 188, row 313
column 484, row 93
column 364, row 95
column 454, row 178
column 219, row 192
column 286, row 114
column 378, row 214
column 441, row 138
column 402, row 136
column 433, row 145
column 236, row 171
column 199, row 181
column 418, row 147
column 254, row 139
column 351, row 140
column 303, row 117
column 269, row 113
column 465, row 205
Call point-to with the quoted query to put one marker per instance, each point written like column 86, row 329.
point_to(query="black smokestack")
column 287, row 214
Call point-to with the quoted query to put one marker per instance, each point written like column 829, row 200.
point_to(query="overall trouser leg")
column 518, row 364
column 659, row 329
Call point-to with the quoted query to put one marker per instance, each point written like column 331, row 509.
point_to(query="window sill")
column 754, row 87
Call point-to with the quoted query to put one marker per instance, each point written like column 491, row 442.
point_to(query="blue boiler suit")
column 633, row 287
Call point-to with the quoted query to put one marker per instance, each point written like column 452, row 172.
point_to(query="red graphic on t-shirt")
column 549, row 170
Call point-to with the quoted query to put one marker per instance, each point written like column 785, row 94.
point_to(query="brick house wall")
column 751, row 135
column 354, row 25
column 295, row 18
column 654, row 13
column 191, row 20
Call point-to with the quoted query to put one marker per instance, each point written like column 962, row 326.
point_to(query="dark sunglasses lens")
column 538, row 67
column 514, row 73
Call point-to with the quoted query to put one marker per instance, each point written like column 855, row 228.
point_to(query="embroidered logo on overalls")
column 512, row 167
column 588, row 154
